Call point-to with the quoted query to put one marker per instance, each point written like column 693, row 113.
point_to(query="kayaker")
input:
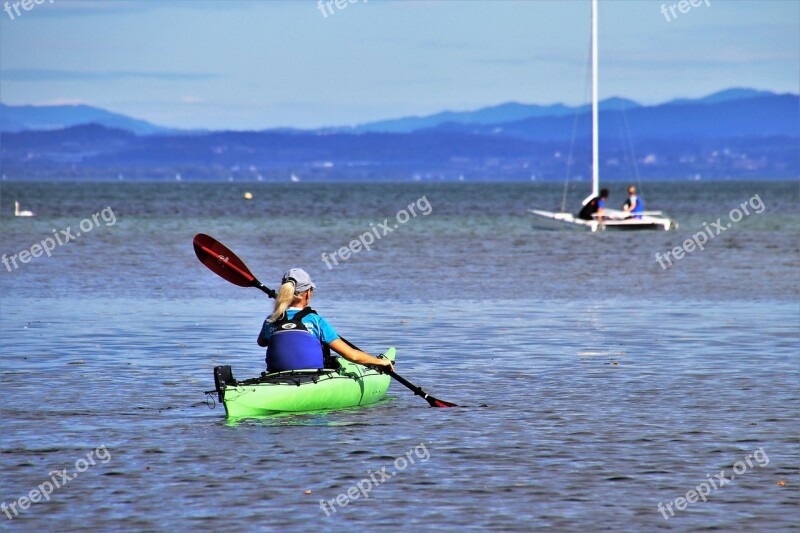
column 296, row 336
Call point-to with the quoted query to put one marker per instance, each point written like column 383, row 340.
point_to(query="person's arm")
column 601, row 212
column 263, row 337
column 357, row 356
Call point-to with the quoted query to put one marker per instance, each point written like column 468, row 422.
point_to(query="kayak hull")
column 351, row 385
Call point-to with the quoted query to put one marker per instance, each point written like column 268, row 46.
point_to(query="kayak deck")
column 350, row 385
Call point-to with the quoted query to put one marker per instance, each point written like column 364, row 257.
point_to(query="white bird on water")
column 18, row 213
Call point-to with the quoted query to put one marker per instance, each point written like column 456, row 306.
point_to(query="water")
column 597, row 384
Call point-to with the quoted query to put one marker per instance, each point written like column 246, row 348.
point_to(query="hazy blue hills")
column 772, row 115
column 19, row 118
column 509, row 112
column 514, row 112
column 727, row 95
column 738, row 133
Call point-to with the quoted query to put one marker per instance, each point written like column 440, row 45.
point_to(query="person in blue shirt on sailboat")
column 633, row 204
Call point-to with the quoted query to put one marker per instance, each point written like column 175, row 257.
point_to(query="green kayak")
column 350, row 385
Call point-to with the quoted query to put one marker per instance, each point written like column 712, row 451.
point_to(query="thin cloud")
column 60, row 102
column 48, row 75
column 553, row 56
column 437, row 44
column 121, row 7
column 648, row 58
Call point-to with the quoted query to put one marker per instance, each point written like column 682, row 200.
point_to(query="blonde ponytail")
column 285, row 298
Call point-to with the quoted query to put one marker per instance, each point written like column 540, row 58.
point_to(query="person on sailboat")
column 633, row 204
column 595, row 206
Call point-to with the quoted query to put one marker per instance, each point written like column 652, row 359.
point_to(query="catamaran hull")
column 561, row 221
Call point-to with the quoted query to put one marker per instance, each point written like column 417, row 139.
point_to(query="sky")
column 247, row 65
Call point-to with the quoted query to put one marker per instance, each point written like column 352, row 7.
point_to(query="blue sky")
column 270, row 63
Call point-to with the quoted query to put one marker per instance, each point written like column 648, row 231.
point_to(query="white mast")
column 595, row 118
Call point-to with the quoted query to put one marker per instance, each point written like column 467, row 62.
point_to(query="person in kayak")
column 595, row 206
column 633, row 204
column 296, row 337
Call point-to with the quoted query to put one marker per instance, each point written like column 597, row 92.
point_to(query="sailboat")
column 612, row 219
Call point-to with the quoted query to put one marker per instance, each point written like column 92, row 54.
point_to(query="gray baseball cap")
column 302, row 281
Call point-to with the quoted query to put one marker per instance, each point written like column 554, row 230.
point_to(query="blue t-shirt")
column 601, row 203
column 315, row 324
column 639, row 205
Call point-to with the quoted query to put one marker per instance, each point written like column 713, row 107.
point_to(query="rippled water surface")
column 596, row 385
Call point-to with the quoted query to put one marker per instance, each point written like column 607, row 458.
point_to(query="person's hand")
column 383, row 363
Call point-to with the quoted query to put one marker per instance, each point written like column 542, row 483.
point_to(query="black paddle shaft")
column 410, row 386
column 271, row 293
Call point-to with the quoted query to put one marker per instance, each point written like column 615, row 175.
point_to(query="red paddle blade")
column 222, row 261
column 440, row 403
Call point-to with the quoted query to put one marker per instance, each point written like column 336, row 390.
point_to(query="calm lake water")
column 596, row 384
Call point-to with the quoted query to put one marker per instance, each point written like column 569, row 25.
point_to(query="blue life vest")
column 292, row 347
column 639, row 205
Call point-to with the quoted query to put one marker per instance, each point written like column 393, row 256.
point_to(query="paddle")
column 224, row 263
column 433, row 402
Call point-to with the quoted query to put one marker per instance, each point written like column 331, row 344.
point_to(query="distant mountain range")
column 28, row 117
column 732, row 133
column 513, row 112
column 724, row 96
column 21, row 118
column 757, row 116
column 509, row 112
